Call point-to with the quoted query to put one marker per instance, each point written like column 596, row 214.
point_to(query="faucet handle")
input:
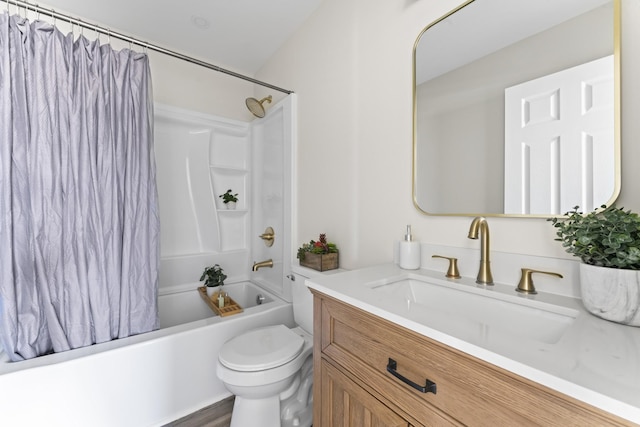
column 526, row 281
column 452, row 272
column 268, row 236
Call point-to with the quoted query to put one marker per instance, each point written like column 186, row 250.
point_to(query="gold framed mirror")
column 517, row 108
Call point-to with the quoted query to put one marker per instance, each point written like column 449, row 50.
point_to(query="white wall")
column 179, row 83
column 351, row 65
column 192, row 87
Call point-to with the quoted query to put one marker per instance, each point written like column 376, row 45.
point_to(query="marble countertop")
column 595, row 361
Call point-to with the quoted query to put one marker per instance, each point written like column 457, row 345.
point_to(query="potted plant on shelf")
column 229, row 199
column 608, row 243
column 321, row 255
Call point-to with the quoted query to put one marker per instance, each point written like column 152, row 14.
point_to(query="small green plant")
column 607, row 238
column 319, row 247
column 213, row 276
column 229, row 197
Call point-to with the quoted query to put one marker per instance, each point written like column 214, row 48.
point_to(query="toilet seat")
column 261, row 349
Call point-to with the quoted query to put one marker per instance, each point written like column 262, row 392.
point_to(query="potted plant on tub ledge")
column 608, row 243
column 214, row 277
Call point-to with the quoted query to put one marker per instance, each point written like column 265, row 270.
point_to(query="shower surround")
column 154, row 378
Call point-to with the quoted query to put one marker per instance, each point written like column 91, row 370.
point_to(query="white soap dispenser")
column 409, row 252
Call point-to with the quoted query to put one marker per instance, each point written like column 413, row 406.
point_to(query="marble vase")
column 611, row 293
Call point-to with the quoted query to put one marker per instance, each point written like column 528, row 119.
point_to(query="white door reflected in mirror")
column 548, row 121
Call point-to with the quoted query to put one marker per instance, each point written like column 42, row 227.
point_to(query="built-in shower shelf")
column 232, row 212
column 229, row 178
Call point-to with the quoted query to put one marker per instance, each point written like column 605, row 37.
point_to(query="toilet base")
column 297, row 409
column 246, row 412
column 291, row 408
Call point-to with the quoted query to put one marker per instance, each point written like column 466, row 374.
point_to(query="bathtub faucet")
column 261, row 264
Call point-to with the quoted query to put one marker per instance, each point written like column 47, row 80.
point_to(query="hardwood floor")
column 216, row 415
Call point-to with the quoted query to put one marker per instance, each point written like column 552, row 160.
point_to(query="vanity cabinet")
column 356, row 351
column 346, row 403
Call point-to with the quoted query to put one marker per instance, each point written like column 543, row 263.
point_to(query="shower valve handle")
column 268, row 236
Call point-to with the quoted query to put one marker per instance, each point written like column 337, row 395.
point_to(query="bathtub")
column 144, row 380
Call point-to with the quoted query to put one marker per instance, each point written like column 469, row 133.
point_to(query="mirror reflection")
column 517, row 108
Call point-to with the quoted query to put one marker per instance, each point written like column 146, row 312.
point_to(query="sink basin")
column 469, row 311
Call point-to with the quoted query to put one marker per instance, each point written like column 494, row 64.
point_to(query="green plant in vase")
column 213, row 276
column 229, row 198
column 606, row 238
column 608, row 243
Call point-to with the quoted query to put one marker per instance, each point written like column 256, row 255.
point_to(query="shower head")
column 256, row 106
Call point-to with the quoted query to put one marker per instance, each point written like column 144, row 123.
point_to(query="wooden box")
column 320, row 262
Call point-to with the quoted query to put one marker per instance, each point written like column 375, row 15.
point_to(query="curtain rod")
column 98, row 29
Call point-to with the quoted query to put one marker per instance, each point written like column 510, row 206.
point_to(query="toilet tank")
column 302, row 302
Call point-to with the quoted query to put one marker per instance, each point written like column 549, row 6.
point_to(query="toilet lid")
column 260, row 349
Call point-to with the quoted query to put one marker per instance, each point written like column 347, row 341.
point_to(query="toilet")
column 270, row 369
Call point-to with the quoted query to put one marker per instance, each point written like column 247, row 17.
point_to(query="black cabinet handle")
column 429, row 387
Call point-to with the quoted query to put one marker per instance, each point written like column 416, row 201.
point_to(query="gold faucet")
column 261, row 264
column 484, row 274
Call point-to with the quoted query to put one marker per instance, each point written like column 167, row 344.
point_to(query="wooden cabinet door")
column 345, row 404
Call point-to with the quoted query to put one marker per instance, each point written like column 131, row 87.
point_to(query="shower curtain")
column 79, row 224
